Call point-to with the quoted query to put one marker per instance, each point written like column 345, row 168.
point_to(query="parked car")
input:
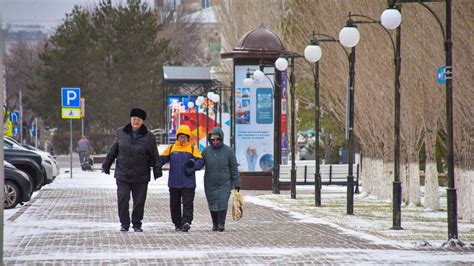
column 28, row 162
column 17, row 186
column 46, row 159
column 49, row 157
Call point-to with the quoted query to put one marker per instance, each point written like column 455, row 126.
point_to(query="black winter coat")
column 134, row 156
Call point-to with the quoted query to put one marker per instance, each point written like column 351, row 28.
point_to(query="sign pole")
column 36, row 132
column 21, row 117
column 70, row 145
column 71, row 109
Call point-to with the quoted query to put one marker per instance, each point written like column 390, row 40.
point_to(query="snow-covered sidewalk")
column 74, row 221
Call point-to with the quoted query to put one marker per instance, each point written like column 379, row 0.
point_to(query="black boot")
column 221, row 220
column 137, row 229
column 214, row 220
column 221, row 228
column 186, row 227
column 123, row 228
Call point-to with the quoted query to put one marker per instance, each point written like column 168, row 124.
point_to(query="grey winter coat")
column 221, row 173
column 134, row 156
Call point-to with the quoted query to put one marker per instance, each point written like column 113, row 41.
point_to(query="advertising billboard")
column 201, row 119
column 254, row 125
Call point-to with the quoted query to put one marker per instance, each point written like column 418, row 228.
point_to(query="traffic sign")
column 441, row 75
column 70, row 97
column 14, row 116
column 16, row 130
column 71, row 113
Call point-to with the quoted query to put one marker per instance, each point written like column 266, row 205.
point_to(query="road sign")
column 16, row 130
column 441, row 75
column 70, row 97
column 15, row 116
column 71, row 113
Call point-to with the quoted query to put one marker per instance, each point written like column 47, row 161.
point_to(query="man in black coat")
column 136, row 152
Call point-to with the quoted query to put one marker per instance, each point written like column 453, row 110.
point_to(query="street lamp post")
column 386, row 18
column 312, row 54
column 349, row 37
column 453, row 239
column 282, row 64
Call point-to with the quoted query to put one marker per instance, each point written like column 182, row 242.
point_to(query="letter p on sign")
column 71, row 97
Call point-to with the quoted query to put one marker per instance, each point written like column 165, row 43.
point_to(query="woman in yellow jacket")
column 184, row 159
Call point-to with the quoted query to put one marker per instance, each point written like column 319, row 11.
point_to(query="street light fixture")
column 282, row 64
column 312, row 54
column 392, row 19
column 349, row 37
column 453, row 239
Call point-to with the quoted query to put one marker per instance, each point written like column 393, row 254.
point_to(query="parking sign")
column 71, row 97
column 15, row 116
column 441, row 75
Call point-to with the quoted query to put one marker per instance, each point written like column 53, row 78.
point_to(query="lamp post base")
column 397, row 228
column 293, row 183
column 317, row 189
column 453, row 242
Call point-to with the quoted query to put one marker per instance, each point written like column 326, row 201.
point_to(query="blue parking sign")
column 441, row 75
column 15, row 116
column 70, row 97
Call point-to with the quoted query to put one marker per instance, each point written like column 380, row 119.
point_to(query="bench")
column 331, row 174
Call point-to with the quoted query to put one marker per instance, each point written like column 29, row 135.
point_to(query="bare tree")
column 423, row 101
column 186, row 30
column 21, row 62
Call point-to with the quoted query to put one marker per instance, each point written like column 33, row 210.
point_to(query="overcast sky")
column 48, row 13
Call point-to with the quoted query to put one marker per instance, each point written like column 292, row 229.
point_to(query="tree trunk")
column 465, row 184
column 431, row 185
column 414, row 183
column 405, row 179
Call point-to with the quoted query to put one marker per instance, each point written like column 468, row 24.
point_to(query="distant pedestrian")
column 136, row 151
column 220, row 177
column 184, row 159
column 83, row 148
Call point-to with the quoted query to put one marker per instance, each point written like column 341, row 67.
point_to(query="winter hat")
column 138, row 113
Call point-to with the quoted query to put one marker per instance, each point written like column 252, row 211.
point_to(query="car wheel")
column 12, row 195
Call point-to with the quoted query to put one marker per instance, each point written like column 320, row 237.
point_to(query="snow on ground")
column 371, row 221
column 372, row 217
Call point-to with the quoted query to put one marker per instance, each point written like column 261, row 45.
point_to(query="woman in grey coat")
column 220, row 176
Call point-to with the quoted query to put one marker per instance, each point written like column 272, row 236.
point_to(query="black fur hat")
column 138, row 113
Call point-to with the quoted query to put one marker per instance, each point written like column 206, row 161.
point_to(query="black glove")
column 157, row 172
column 237, row 188
column 106, row 171
column 190, row 163
column 189, row 171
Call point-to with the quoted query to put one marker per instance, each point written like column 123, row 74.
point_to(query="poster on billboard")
column 254, row 107
column 284, row 124
column 201, row 118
